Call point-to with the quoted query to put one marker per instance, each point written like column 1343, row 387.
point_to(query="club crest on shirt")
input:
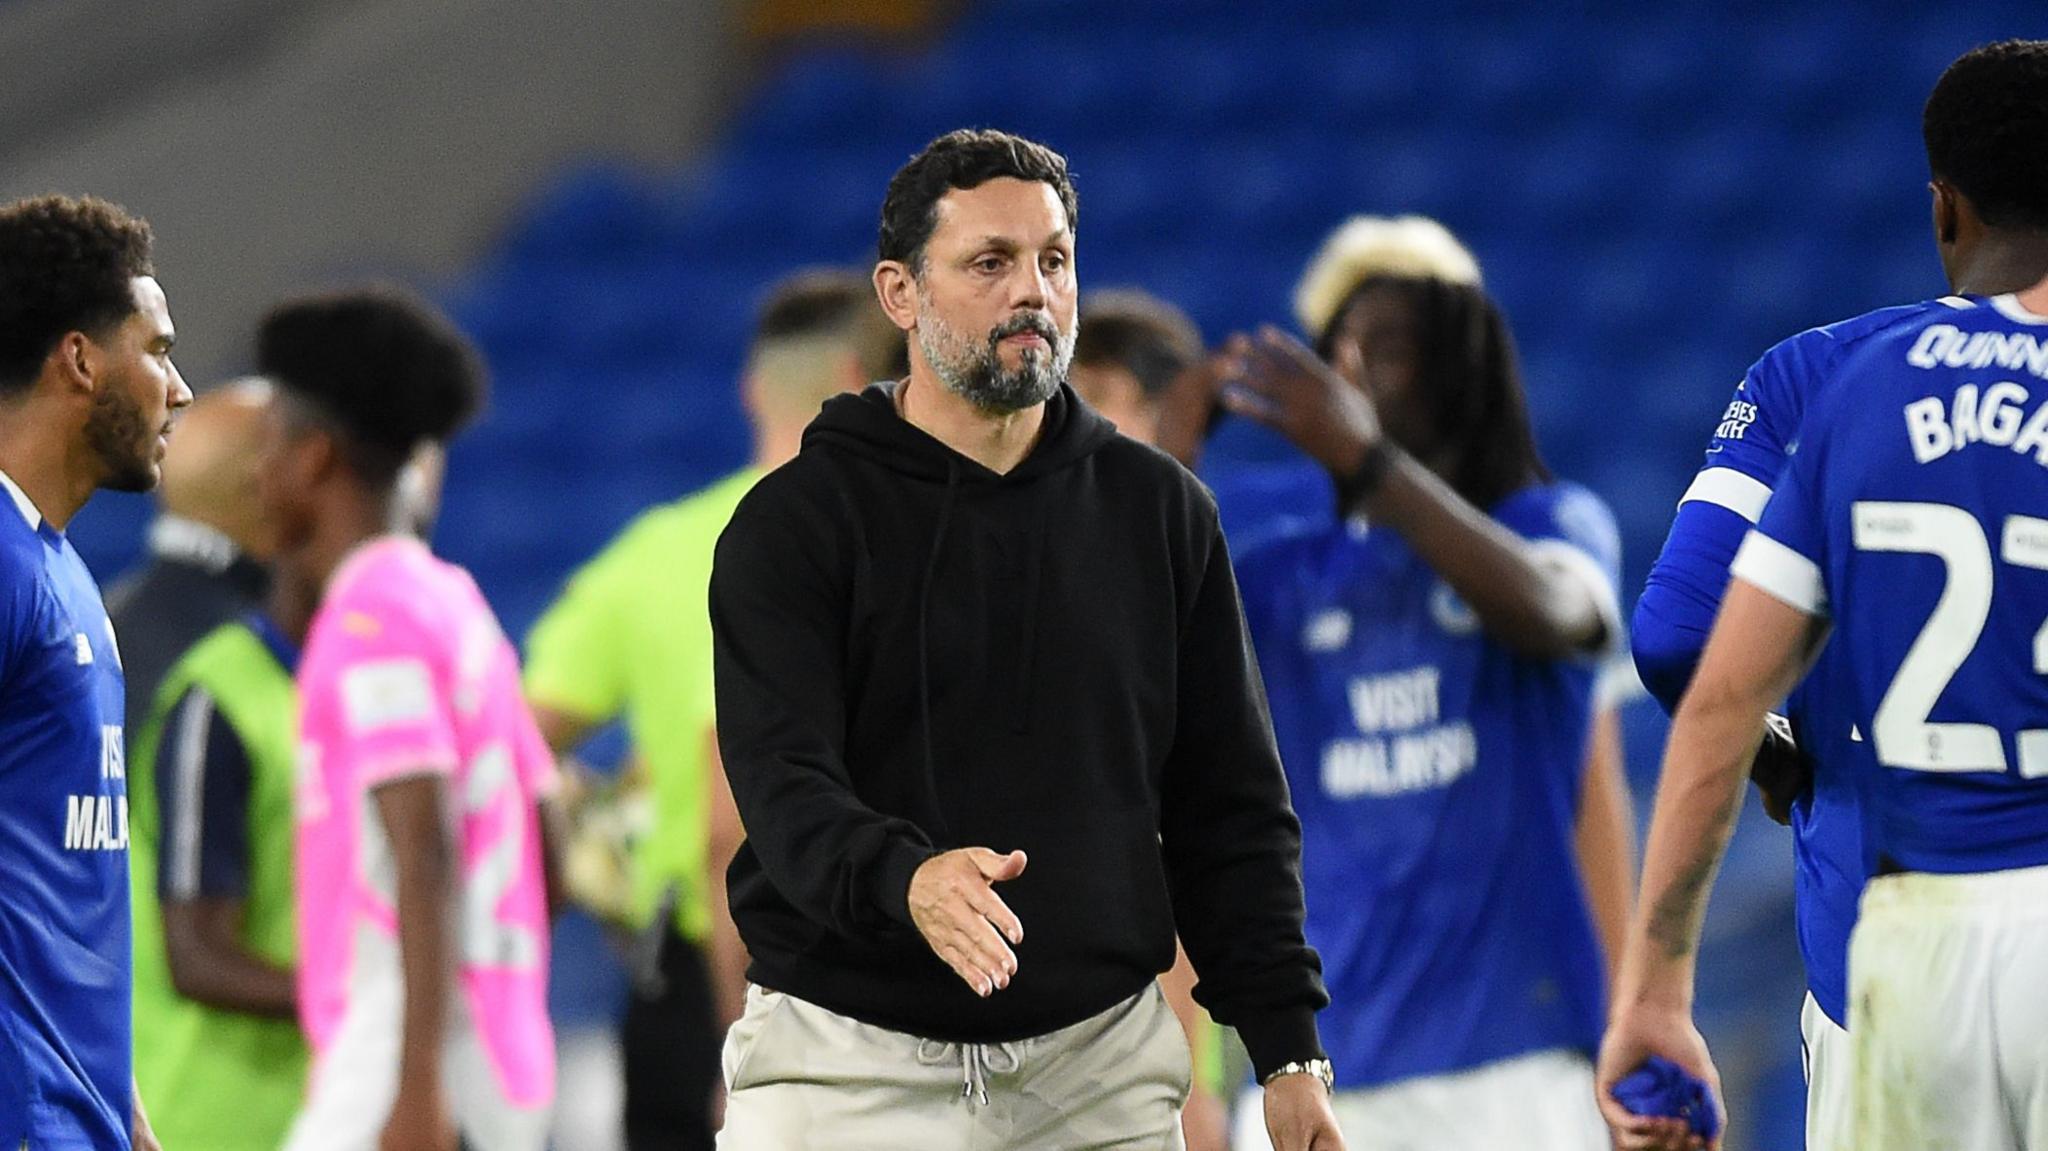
column 1450, row 612
column 1328, row 630
column 84, row 647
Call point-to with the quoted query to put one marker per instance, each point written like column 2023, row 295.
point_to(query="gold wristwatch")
column 1320, row 1068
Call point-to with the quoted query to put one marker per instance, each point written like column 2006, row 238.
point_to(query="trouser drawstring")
column 976, row 1061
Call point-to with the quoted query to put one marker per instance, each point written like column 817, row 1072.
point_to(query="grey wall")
column 276, row 146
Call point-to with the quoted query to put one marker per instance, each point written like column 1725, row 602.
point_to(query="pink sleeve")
column 384, row 690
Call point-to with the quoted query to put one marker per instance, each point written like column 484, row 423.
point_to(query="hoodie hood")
column 868, row 425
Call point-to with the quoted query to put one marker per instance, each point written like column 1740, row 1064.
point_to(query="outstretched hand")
column 1277, row 381
column 955, row 907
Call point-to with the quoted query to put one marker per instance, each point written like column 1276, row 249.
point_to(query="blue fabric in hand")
column 1664, row 1089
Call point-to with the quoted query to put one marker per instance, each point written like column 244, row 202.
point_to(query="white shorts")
column 1948, row 1015
column 1829, row 1067
column 355, row 1081
column 1542, row 1101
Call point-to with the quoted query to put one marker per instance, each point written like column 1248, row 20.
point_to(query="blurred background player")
column 1808, row 768
column 1908, row 522
column 206, row 545
column 87, row 392
column 211, row 769
column 1432, row 661
column 1131, row 348
column 420, row 860
column 631, row 635
column 212, row 772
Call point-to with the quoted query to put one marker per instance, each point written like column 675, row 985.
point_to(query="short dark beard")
column 122, row 440
column 976, row 374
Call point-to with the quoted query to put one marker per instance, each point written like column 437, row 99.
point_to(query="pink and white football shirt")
column 406, row 672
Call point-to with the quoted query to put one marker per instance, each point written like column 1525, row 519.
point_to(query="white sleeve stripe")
column 1781, row 572
column 1728, row 488
column 188, row 772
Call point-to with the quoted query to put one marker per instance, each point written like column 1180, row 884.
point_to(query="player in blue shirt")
column 1806, row 770
column 1431, row 662
column 86, row 395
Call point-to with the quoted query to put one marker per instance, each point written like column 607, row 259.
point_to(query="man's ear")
column 1948, row 211
column 896, row 287
column 74, row 362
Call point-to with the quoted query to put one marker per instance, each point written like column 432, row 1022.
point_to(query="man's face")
column 1112, row 390
column 996, row 296
column 286, row 449
column 1375, row 346
column 138, row 389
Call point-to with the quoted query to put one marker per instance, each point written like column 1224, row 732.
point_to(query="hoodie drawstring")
column 976, row 1061
column 924, row 681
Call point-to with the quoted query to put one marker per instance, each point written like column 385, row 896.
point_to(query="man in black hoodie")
column 969, row 615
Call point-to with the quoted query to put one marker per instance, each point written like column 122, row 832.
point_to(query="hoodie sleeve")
column 1231, row 839
column 778, row 621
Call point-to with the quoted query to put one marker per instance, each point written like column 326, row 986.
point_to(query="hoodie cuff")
column 1278, row 1037
column 892, row 878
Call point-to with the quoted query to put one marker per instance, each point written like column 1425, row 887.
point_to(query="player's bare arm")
column 202, row 941
column 1529, row 606
column 1758, row 650
column 728, row 953
column 1605, row 839
column 414, row 813
column 142, row 1137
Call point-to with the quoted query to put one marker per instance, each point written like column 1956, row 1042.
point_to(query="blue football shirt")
column 1911, row 514
column 1745, row 457
column 65, row 1046
column 1437, row 775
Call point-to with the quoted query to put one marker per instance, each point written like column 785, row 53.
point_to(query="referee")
column 630, row 636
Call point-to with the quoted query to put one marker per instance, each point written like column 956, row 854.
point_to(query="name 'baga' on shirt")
column 2002, row 415
column 97, row 821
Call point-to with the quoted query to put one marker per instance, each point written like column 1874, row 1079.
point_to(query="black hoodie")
column 916, row 654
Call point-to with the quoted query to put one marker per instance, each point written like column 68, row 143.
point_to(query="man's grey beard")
column 975, row 372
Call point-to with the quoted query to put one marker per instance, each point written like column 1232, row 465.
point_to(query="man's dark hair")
column 1467, row 368
column 1985, row 125
column 377, row 364
column 967, row 158
column 1140, row 333
column 838, row 303
column 65, row 266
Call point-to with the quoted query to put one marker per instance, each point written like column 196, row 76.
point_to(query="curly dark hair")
column 379, row 365
column 967, row 158
column 1984, row 126
column 66, row 265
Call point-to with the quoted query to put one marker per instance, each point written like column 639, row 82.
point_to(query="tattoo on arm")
column 1674, row 923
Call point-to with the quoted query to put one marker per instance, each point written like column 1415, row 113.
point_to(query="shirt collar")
column 22, row 504
column 2010, row 307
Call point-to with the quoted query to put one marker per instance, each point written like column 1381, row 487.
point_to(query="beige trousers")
column 801, row 1078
